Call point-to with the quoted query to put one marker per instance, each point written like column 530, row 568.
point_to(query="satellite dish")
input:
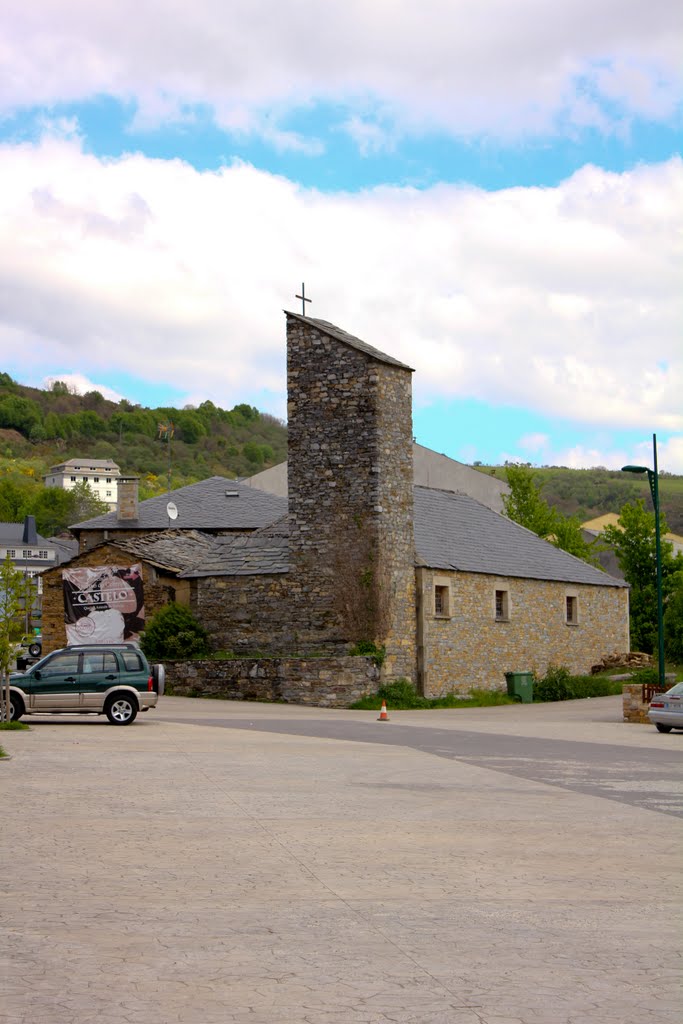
column 172, row 510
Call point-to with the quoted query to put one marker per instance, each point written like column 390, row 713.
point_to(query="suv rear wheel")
column 121, row 709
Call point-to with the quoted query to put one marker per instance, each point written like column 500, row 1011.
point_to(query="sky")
column 490, row 192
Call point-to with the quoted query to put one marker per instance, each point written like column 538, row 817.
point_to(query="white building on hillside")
column 101, row 476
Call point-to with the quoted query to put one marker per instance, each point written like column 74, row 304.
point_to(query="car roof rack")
column 80, row 647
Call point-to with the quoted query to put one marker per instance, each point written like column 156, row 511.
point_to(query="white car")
column 666, row 709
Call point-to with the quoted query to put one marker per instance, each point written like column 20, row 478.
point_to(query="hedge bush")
column 559, row 684
column 174, row 632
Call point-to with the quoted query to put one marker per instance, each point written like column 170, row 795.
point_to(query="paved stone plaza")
column 228, row 863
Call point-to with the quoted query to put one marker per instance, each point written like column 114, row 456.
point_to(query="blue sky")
column 490, row 195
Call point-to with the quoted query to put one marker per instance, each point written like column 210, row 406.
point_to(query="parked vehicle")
column 666, row 709
column 33, row 644
column 115, row 680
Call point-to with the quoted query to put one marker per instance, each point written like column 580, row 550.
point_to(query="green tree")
column 673, row 619
column 634, row 543
column 15, row 593
column 54, row 510
column 253, row 453
column 524, row 505
column 19, row 413
column 85, row 504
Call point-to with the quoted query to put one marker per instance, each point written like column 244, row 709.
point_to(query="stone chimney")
column 127, row 501
column 30, row 534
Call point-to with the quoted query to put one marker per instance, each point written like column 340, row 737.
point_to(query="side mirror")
column 37, row 674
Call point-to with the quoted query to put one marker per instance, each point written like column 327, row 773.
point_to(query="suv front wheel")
column 16, row 707
column 121, row 709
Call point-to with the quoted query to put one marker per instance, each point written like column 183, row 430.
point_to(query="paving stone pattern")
column 181, row 873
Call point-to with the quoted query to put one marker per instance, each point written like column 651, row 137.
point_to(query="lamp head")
column 634, row 469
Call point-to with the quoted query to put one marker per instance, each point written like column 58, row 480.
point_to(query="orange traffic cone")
column 383, row 716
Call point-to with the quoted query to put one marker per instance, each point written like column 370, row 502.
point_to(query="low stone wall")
column 318, row 682
column 634, row 708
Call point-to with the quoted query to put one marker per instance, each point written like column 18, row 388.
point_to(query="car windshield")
column 676, row 690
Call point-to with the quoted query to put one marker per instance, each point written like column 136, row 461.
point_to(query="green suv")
column 115, row 680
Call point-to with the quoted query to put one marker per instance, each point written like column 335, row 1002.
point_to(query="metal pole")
column 654, row 487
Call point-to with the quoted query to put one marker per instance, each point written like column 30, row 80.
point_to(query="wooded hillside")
column 588, row 493
column 39, row 429
column 43, row 428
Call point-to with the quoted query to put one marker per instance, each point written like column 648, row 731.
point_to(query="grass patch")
column 402, row 696
column 13, row 726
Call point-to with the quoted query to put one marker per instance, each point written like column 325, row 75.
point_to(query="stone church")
column 456, row 593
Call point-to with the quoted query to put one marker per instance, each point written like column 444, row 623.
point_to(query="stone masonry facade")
column 467, row 646
column 158, row 590
column 333, row 682
column 350, row 492
column 253, row 614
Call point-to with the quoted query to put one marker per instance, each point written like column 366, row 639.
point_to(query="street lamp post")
column 653, row 479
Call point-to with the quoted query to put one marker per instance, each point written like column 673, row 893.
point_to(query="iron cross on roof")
column 303, row 298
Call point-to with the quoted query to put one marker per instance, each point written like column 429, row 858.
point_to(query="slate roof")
column 176, row 550
column 349, row 339
column 202, row 506
column 259, row 553
column 12, row 533
column 453, row 531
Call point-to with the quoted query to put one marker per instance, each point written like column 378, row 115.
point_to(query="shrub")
column 555, row 685
column 646, row 676
column 402, row 693
column 369, row 649
column 174, row 632
column 558, row 684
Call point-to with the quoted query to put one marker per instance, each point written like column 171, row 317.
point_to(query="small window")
column 442, row 600
column 502, row 605
column 26, row 553
column 95, row 479
column 132, row 661
column 108, row 480
column 73, row 479
column 11, row 552
column 109, row 494
column 572, row 610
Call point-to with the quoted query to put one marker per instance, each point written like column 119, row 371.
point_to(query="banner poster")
column 103, row 604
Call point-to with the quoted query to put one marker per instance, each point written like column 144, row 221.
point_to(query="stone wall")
column 350, row 492
column 635, row 708
column 319, row 682
column 252, row 614
column 470, row 648
column 158, row 590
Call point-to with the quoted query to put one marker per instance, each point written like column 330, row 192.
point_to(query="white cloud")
column 561, row 300
column 369, row 136
column 534, row 442
column 494, row 68
column 80, row 385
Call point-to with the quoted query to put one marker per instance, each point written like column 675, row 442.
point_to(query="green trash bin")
column 521, row 686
